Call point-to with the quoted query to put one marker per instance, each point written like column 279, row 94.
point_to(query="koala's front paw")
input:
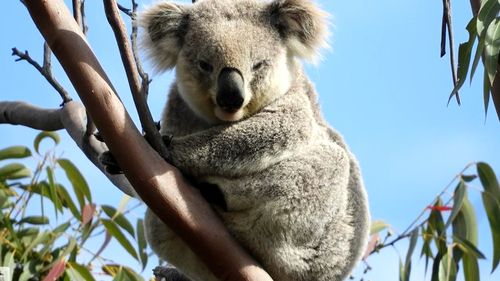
column 168, row 273
column 108, row 160
column 110, row 163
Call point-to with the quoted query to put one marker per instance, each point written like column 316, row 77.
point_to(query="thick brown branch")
column 44, row 71
column 160, row 185
column 152, row 134
column 495, row 89
column 21, row 113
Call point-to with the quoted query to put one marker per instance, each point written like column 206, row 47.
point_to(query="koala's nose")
column 230, row 90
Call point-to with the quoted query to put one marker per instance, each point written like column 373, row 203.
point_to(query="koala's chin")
column 229, row 116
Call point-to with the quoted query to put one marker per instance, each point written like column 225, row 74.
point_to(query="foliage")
column 449, row 235
column 32, row 246
column 484, row 34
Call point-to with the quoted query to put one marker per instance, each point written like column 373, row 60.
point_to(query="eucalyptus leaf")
column 14, row 152
column 492, row 208
column 78, row 182
column 43, row 135
column 119, row 218
column 120, row 237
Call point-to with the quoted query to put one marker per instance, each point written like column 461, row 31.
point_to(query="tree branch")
column 45, row 71
column 151, row 132
column 159, row 184
column 72, row 118
column 21, row 113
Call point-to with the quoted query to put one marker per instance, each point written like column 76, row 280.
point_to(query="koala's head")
column 232, row 57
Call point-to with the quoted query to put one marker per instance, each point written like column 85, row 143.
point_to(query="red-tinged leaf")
column 56, row 271
column 107, row 239
column 88, row 213
column 439, row 208
column 371, row 245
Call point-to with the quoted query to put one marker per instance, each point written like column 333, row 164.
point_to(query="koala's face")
column 232, row 57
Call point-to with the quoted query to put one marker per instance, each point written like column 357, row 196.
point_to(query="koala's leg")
column 170, row 247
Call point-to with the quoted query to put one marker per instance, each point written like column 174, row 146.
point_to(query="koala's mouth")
column 229, row 115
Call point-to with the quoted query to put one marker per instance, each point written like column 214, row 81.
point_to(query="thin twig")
column 126, row 11
column 45, row 73
column 407, row 232
column 447, row 25
column 151, row 132
column 133, row 38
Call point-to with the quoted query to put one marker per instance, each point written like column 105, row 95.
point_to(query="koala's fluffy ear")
column 165, row 25
column 301, row 24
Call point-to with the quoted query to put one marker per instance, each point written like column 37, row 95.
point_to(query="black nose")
column 230, row 89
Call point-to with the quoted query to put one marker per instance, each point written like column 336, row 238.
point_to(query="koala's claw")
column 167, row 139
column 110, row 164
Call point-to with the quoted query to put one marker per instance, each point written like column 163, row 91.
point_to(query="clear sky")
column 382, row 85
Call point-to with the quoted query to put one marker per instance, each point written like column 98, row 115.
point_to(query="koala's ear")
column 301, row 24
column 165, row 25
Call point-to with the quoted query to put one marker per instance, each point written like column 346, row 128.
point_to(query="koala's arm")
column 248, row 144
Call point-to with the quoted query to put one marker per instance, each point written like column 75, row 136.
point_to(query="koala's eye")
column 258, row 66
column 205, row 66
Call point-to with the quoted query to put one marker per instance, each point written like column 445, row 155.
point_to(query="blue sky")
column 382, row 85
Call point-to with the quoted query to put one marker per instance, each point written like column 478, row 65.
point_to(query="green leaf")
column 14, row 171
column 36, row 220
column 119, row 218
column 468, row 178
column 78, row 182
column 68, row 202
column 486, row 92
column 78, row 272
column 488, row 12
column 127, row 274
column 491, row 49
column 470, row 268
column 53, row 196
column 61, row 228
column 69, row 247
column 477, row 56
column 435, row 266
column 53, row 135
column 488, row 179
column 141, row 243
column 448, row 267
column 377, row 226
column 492, row 208
column 458, row 198
column 464, row 56
column 468, row 247
column 411, row 248
column 115, row 232
column 14, row 152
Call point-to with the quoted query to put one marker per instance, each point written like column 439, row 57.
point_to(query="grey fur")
column 294, row 194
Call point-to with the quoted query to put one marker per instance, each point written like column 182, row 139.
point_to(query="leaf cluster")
column 484, row 34
column 447, row 231
column 47, row 244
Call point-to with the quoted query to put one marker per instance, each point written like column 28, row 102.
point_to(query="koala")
column 246, row 129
